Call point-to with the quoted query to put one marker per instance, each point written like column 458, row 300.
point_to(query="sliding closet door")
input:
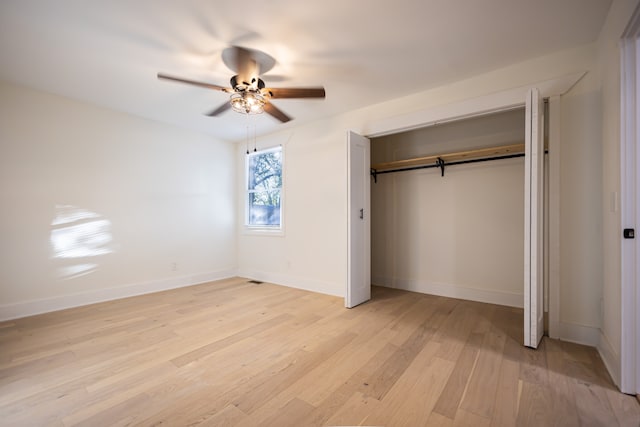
column 533, row 220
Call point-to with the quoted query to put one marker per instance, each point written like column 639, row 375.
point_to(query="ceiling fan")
column 249, row 95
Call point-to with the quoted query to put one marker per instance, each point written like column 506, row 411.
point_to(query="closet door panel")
column 533, row 224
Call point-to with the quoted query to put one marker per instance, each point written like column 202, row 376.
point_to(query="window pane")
column 264, row 208
column 265, row 171
column 264, row 186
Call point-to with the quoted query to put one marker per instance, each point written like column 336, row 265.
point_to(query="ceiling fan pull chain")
column 247, row 140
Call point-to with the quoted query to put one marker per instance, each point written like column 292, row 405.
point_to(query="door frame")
column 630, row 206
column 552, row 260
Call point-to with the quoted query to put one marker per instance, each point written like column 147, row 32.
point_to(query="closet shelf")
column 451, row 157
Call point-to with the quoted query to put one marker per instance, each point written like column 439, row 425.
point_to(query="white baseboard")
column 593, row 337
column 610, row 358
column 579, row 334
column 318, row 286
column 46, row 305
column 454, row 291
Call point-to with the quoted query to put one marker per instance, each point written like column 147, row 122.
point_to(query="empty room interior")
column 319, row 213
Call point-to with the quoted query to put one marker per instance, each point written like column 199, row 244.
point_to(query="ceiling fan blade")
column 193, row 82
column 221, row 109
column 269, row 108
column 308, row 92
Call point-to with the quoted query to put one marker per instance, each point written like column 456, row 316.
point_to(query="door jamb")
column 553, row 212
column 630, row 206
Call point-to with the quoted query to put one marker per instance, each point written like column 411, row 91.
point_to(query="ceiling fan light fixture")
column 248, row 102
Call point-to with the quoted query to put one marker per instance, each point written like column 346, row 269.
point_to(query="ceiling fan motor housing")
column 255, row 85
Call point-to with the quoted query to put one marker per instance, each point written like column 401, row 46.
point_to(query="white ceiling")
column 109, row 52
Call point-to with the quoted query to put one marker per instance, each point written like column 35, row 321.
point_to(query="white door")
column 533, row 220
column 359, row 232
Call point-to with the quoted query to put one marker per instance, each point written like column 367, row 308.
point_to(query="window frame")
column 263, row 229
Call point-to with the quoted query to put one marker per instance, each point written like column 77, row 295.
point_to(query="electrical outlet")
column 174, row 266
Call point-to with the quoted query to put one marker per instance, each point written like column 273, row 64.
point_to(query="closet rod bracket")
column 374, row 174
column 440, row 164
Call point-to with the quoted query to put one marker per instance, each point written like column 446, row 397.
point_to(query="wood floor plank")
column 449, row 400
column 404, row 389
column 467, row 419
column 456, row 329
column 479, row 396
column 289, row 373
column 357, row 382
column 533, row 408
column 330, row 374
column 293, row 413
column 150, row 390
column 114, row 415
column 533, row 368
column 236, row 377
column 407, row 322
column 382, row 380
column 593, row 405
column 505, row 412
column 354, row 411
column 33, row 367
column 42, row 410
column 563, row 399
column 421, row 397
column 625, row 408
column 437, row 420
column 218, row 380
column 210, row 348
column 229, row 416
column 509, row 320
column 235, row 353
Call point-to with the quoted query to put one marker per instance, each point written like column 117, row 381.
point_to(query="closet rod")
column 441, row 164
column 449, row 157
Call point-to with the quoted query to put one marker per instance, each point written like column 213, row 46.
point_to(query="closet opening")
column 447, row 209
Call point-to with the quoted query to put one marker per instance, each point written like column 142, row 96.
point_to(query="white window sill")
column 257, row 231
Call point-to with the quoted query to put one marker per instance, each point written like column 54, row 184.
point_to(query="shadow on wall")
column 78, row 237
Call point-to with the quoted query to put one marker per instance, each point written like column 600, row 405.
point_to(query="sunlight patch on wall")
column 77, row 237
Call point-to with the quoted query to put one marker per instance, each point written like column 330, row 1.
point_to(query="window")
column 264, row 189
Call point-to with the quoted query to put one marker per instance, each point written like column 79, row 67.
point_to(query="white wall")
column 608, row 57
column 309, row 253
column 580, row 211
column 152, row 195
column 460, row 235
column 313, row 251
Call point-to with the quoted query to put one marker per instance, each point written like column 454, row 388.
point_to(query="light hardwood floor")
column 231, row 353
